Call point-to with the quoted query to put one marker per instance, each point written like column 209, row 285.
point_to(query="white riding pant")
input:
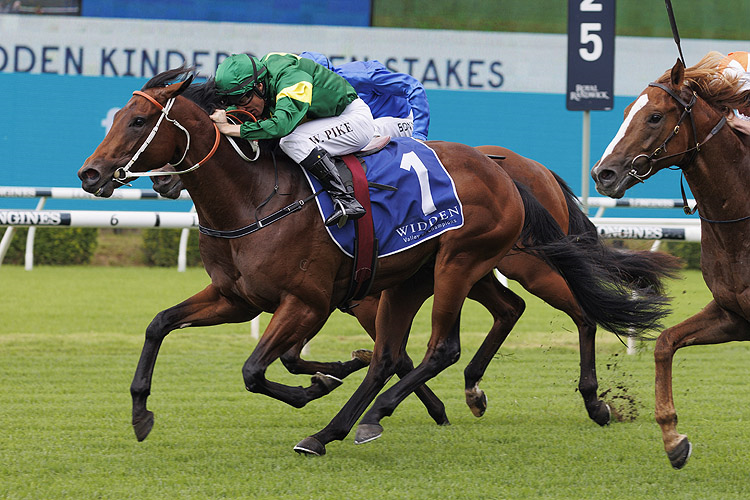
column 394, row 127
column 346, row 133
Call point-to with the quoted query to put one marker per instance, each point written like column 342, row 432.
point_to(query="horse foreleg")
column 506, row 308
column 712, row 325
column 452, row 285
column 207, row 307
column 293, row 362
column 292, row 322
column 397, row 308
column 365, row 311
column 421, row 291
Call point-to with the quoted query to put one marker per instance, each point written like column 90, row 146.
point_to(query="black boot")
column 346, row 206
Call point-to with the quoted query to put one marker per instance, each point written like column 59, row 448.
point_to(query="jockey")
column 398, row 101
column 737, row 65
column 313, row 111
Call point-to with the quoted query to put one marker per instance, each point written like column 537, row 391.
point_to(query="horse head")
column 671, row 123
column 129, row 146
column 648, row 136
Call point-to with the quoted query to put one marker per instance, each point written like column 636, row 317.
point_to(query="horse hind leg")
column 207, row 307
column 506, row 308
column 542, row 281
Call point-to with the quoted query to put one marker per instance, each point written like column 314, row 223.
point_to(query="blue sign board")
column 330, row 12
column 591, row 55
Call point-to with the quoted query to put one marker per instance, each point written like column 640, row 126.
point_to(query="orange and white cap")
column 737, row 64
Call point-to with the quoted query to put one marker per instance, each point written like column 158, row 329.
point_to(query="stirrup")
column 341, row 220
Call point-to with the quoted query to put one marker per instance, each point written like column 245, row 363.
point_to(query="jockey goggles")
column 240, row 99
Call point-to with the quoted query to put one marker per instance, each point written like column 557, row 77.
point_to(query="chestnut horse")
column 680, row 120
column 296, row 272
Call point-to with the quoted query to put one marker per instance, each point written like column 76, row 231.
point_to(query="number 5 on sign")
column 410, row 161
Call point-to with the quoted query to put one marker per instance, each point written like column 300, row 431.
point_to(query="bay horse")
column 295, row 271
column 642, row 269
column 680, row 120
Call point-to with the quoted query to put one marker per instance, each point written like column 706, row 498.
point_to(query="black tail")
column 643, row 270
column 612, row 302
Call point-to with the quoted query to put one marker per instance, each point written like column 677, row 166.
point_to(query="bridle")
column 123, row 173
column 652, row 158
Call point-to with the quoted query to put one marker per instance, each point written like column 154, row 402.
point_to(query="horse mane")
column 707, row 80
column 203, row 94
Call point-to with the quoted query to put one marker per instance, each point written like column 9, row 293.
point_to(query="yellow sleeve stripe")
column 301, row 91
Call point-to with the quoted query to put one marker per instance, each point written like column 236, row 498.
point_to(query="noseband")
column 123, row 173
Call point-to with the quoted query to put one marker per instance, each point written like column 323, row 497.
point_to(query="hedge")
column 55, row 246
column 161, row 246
column 690, row 253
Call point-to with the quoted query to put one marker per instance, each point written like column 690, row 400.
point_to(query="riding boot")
column 320, row 164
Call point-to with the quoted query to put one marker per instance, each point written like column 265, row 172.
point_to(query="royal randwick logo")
column 588, row 92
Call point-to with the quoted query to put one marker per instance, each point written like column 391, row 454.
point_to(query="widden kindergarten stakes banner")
column 456, row 60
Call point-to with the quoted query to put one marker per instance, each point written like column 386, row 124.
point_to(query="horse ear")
column 678, row 72
column 178, row 88
column 186, row 83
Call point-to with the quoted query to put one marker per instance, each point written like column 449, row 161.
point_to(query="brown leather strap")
column 365, row 243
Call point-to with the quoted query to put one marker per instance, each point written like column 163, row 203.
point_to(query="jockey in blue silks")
column 398, row 101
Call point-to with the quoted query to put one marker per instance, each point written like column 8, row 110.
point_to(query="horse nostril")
column 89, row 176
column 606, row 175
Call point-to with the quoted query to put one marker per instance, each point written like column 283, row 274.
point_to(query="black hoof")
column 477, row 402
column 367, row 432
column 679, row 456
column 602, row 415
column 329, row 382
column 143, row 425
column 311, row 447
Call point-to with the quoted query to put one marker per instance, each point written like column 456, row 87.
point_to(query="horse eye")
column 655, row 118
column 138, row 122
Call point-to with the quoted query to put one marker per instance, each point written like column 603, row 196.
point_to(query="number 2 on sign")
column 411, row 161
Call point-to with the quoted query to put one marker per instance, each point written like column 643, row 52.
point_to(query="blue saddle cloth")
column 425, row 205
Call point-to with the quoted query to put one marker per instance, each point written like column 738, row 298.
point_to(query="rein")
column 651, row 159
column 123, row 173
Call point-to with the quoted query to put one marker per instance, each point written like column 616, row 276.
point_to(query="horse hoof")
column 364, row 355
column 143, row 425
column 367, row 432
column 310, row 447
column 476, row 399
column 678, row 457
column 603, row 416
column 329, row 382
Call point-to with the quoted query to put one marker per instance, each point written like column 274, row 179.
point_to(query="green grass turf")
column 70, row 340
column 725, row 20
